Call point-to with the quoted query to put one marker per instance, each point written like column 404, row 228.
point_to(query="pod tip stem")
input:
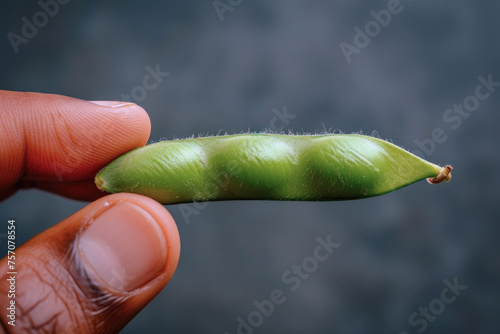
column 444, row 175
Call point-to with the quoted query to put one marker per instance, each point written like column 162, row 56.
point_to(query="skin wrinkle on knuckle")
column 58, row 293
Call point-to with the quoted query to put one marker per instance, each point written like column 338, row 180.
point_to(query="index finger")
column 48, row 139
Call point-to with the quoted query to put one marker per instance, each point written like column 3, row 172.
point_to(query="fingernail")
column 123, row 248
column 114, row 104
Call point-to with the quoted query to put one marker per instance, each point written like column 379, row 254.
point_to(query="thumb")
column 94, row 271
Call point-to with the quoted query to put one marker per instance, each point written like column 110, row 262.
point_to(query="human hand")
column 94, row 271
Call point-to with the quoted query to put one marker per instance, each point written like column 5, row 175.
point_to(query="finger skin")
column 80, row 190
column 57, row 139
column 54, row 293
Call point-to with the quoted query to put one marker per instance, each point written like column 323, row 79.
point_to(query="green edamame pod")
column 267, row 167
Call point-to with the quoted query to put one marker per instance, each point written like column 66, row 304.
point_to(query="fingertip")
column 134, row 115
column 168, row 227
column 68, row 139
column 134, row 236
column 122, row 107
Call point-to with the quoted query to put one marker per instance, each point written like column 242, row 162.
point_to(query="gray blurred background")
column 238, row 66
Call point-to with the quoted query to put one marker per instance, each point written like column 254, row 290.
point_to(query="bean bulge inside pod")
column 267, row 167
